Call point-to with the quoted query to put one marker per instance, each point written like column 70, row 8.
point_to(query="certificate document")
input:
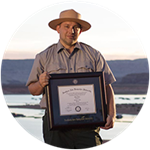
column 76, row 99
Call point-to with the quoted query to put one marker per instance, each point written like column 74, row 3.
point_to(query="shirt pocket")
column 56, row 68
column 85, row 67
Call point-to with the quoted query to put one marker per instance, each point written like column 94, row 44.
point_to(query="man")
column 70, row 56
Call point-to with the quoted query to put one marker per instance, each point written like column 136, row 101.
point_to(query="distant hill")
column 17, row 71
column 121, row 68
column 135, row 78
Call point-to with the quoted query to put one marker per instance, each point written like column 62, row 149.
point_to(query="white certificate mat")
column 76, row 99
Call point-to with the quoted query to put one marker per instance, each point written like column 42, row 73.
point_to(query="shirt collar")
column 60, row 46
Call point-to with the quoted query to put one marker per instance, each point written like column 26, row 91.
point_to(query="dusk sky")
column 109, row 34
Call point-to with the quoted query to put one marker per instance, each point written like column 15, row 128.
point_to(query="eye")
column 66, row 26
column 76, row 28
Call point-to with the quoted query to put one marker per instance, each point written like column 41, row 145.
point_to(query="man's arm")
column 111, row 108
column 36, row 88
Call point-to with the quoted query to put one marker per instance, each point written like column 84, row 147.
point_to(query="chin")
column 71, row 43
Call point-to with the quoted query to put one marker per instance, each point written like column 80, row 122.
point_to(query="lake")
column 27, row 99
column 32, row 123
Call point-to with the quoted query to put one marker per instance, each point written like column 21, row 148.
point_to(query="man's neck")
column 69, row 48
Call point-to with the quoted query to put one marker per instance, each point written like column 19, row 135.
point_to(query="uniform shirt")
column 56, row 59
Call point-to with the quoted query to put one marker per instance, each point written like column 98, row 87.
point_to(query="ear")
column 57, row 28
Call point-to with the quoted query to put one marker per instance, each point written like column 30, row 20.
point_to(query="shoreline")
column 118, row 89
column 132, row 109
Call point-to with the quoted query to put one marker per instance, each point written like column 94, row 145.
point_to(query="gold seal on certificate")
column 75, row 81
column 76, row 99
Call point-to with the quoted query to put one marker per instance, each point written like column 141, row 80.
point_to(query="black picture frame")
column 59, row 120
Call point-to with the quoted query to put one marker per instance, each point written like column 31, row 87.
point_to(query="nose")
column 71, row 30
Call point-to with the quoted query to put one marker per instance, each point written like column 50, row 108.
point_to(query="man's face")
column 69, row 33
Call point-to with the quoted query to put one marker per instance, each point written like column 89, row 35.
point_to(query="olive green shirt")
column 56, row 59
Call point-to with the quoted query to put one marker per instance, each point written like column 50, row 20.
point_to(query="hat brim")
column 85, row 25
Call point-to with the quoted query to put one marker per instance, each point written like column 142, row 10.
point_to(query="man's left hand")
column 109, row 123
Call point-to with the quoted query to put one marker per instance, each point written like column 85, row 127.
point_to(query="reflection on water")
column 33, row 125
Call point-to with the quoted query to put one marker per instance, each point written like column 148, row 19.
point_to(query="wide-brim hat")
column 69, row 15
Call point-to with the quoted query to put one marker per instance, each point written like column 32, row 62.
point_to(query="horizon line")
column 105, row 59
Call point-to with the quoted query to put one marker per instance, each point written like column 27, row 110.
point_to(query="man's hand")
column 36, row 88
column 44, row 79
column 109, row 123
column 111, row 108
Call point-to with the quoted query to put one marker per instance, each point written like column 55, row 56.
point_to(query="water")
column 22, row 99
column 32, row 123
column 34, row 127
column 130, row 99
column 28, row 99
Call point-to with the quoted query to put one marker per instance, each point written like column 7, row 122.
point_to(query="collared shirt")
column 56, row 59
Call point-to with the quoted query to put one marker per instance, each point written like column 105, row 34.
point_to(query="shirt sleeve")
column 103, row 66
column 36, row 70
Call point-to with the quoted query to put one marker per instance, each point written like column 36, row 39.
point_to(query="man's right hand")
column 44, row 79
column 36, row 88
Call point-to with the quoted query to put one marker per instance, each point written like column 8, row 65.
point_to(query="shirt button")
column 70, row 68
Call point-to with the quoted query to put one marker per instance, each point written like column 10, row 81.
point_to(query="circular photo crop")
column 74, row 77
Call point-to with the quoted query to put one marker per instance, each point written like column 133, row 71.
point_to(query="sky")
column 109, row 33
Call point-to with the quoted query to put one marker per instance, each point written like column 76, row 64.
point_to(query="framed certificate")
column 76, row 100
